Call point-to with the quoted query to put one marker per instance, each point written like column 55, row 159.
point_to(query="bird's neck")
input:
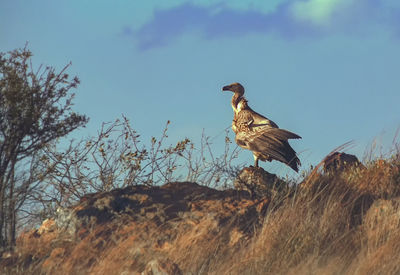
column 236, row 98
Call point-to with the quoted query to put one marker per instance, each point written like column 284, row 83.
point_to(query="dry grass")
column 347, row 223
column 343, row 223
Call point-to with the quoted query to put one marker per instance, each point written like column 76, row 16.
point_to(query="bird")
column 259, row 134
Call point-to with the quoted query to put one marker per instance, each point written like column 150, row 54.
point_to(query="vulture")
column 258, row 134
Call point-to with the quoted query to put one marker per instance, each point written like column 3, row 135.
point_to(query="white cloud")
column 318, row 12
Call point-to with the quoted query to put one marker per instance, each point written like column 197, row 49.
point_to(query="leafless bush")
column 203, row 167
column 117, row 158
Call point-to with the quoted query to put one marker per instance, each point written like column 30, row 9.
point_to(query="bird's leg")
column 255, row 161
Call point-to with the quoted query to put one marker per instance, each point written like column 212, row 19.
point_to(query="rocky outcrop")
column 166, row 204
column 143, row 229
column 343, row 222
column 382, row 218
column 156, row 267
column 259, row 183
column 339, row 161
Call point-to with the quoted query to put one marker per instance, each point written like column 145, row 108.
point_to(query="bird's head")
column 234, row 87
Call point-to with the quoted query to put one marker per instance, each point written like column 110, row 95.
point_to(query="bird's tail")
column 294, row 164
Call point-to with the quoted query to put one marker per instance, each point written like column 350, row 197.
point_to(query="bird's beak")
column 226, row 88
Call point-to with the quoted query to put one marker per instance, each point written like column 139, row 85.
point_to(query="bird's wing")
column 260, row 144
column 260, row 120
column 271, row 142
column 248, row 120
column 280, row 134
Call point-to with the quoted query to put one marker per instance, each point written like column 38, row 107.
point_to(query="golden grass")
column 343, row 223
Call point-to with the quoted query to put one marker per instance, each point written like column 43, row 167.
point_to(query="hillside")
column 341, row 219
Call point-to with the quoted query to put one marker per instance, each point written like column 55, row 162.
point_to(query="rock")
column 258, row 182
column 145, row 229
column 381, row 220
column 48, row 225
column 159, row 204
column 338, row 162
column 165, row 267
column 66, row 220
column 8, row 258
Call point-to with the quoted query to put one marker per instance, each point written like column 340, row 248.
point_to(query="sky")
column 327, row 70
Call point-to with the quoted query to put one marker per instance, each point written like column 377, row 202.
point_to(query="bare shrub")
column 117, row 158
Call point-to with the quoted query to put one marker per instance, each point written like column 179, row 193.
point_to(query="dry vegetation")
column 332, row 223
column 345, row 223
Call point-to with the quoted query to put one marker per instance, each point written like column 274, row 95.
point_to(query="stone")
column 164, row 267
column 48, row 225
column 339, row 161
column 258, row 182
column 143, row 229
column 382, row 220
column 66, row 220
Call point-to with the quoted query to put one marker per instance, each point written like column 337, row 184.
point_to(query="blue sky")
column 325, row 69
